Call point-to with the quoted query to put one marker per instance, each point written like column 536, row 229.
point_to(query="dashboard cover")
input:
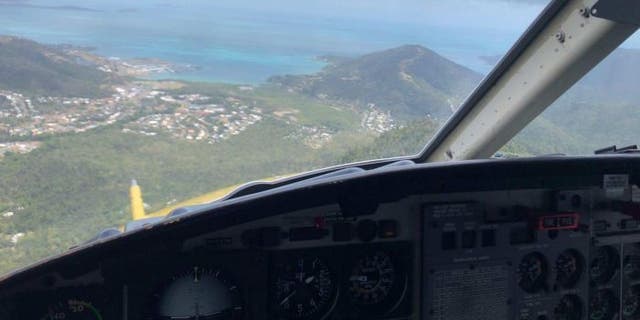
column 517, row 238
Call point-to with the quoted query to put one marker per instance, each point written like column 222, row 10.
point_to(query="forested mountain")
column 613, row 81
column 600, row 110
column 412, row 81
column 406, row 140
column 36, row 69
column 409, row 81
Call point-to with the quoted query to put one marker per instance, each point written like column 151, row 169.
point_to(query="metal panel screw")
column 560, row 37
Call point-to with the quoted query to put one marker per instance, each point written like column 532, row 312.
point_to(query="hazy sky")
column 498, row 14
column 487, row 13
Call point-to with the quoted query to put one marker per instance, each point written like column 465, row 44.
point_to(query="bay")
column 236, row 45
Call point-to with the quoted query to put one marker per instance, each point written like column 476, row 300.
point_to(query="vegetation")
column 35, row 69
column 75, row 185
column 409, row 81
column 302, row 109
column 406, row 140
column 72, row 187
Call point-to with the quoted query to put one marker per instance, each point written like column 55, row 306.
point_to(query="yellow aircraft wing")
column 137, row 204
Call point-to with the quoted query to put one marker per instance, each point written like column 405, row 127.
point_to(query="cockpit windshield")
column 192, row 98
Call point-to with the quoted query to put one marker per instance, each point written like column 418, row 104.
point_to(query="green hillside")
column 613, row 81
column 35, row 69
column 409, row 80
column 301, row 109
column 76, row 185
column 406, row 140
column 597, row 124
column 598, row 111
column 542, row 136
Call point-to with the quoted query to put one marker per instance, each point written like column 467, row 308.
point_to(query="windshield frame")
column 505, row 63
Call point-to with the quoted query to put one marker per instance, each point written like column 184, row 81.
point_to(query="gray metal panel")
column 139, row 224
column 487, row 83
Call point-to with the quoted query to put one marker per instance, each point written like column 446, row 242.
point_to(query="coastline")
column 144, row 68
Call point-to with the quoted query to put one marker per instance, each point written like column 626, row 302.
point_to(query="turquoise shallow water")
column 231, row 44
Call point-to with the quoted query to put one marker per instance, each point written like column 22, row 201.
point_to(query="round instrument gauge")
column 72, row 309
column 199, row 293
column 532, row 272
column 375, row 283
column 569, row 266
column 604, row 264
column 304, row 288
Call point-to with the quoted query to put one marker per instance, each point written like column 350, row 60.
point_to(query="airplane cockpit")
column 448, row 234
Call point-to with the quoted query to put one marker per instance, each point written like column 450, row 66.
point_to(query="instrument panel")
column 546, row 246
column 364, row 280
column 345, row 282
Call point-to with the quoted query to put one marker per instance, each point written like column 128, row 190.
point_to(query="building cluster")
column 148, row 111
column 377, row 120
column 143, row 110
column 9, row 240
column 17, row 147
column 24, row 117
column 200, row 122
column 312, row 136
column 128, row 67
column 316, row 137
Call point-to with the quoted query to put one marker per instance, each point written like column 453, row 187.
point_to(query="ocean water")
column 235, row 44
